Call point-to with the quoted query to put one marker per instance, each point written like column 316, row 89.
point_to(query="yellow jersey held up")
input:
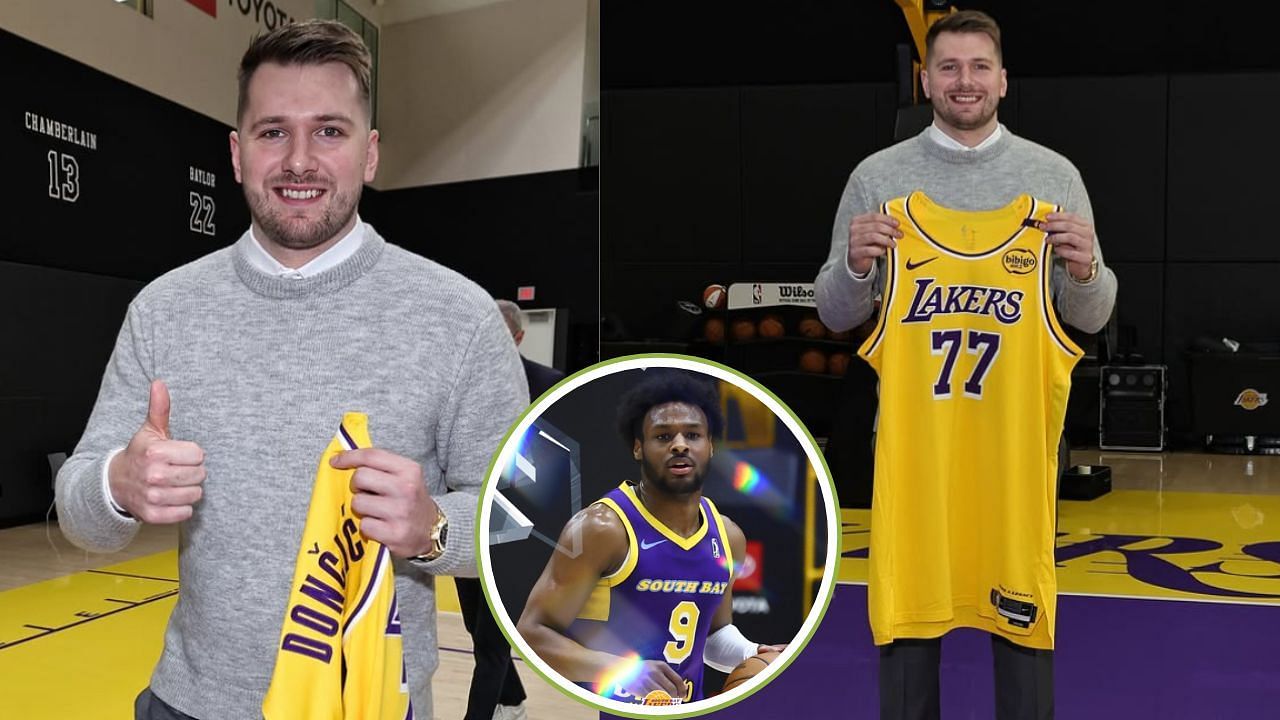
column 974, row 376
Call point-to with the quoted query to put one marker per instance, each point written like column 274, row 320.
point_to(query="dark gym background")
column 587, row 415
column 69, row 269
column 729, row 133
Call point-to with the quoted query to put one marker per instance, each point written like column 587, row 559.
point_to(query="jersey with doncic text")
column 659, row 604
column 341, row 653
column 974, row 376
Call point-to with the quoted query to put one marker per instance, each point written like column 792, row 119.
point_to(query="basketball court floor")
column 80, row 633
column 1167, row 586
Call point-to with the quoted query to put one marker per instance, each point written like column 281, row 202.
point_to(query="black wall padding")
column 1222, row 180
column 1113, row 130
column 672, row 164
column 798, row 147
column 62, row 326
column 133, row 212
column 673, row 43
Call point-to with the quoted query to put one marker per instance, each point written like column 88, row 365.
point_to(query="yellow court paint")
column 1192, row 546
column 98, row 635
column 84, row 645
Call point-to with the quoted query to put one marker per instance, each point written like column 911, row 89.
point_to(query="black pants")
column 909, row 680
column 494, row 681
column 150, row 707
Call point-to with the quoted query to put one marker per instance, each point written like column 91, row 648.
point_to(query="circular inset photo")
column 658, row 536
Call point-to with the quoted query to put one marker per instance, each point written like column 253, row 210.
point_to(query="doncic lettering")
column 351, row 548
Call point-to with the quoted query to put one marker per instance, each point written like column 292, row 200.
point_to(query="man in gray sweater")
column 231, row 374
column 966, row 161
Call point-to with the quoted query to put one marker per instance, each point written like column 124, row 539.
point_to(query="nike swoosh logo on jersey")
column 914, row 265
column 646, row 545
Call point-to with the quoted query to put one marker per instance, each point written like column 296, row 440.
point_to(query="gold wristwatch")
column 1093, row 272
column 439, row 536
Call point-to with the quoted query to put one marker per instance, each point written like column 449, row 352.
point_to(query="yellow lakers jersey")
column 974, row 375
column 340, row 652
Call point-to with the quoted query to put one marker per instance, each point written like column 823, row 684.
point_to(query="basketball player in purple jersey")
column 637, row 596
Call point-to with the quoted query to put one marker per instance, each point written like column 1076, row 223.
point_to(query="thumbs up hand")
column 156, row 478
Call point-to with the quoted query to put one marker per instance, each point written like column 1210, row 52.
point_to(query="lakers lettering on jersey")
column 659, row 604
column 974, row 376
column 340, row 654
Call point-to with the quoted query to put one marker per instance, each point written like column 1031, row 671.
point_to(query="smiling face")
column 303, row 152
column 675, row 448
column 965, row 81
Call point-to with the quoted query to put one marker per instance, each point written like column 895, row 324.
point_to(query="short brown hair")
column 965, row 21
column 310, row 42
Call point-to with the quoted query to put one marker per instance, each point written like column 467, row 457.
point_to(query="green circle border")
column 826, row 587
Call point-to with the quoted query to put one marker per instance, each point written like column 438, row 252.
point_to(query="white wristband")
column 726, row 648
column 106, row 485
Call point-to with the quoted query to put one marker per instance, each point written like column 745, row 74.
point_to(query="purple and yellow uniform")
column 659, row 604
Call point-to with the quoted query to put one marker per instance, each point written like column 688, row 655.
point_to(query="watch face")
column 444, row 534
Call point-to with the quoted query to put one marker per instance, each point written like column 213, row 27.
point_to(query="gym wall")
column 488, row 92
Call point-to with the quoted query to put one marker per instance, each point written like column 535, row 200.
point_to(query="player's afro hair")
column 664, row 385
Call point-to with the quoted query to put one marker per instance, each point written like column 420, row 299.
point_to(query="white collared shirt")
column 262, row 260
column 950, row 143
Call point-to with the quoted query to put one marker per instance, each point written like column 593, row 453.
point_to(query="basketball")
column 838, row 363
column 743, row 329
column 714, row 297
column 812, row 327
column 842, row 335
column 813, row 361
column 748, row 669
column 771, row 327
column 713, row 330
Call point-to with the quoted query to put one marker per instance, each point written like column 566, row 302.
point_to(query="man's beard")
column 296, row 234
column 948, row 116
column 656, row 475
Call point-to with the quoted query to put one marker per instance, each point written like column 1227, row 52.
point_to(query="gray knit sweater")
column 260, row 370
column 978, row 180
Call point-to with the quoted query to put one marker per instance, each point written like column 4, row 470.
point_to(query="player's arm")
column 563, row 590
column 848, row 282
column 487, row 397
column 1084, row 299
column 726, row 646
